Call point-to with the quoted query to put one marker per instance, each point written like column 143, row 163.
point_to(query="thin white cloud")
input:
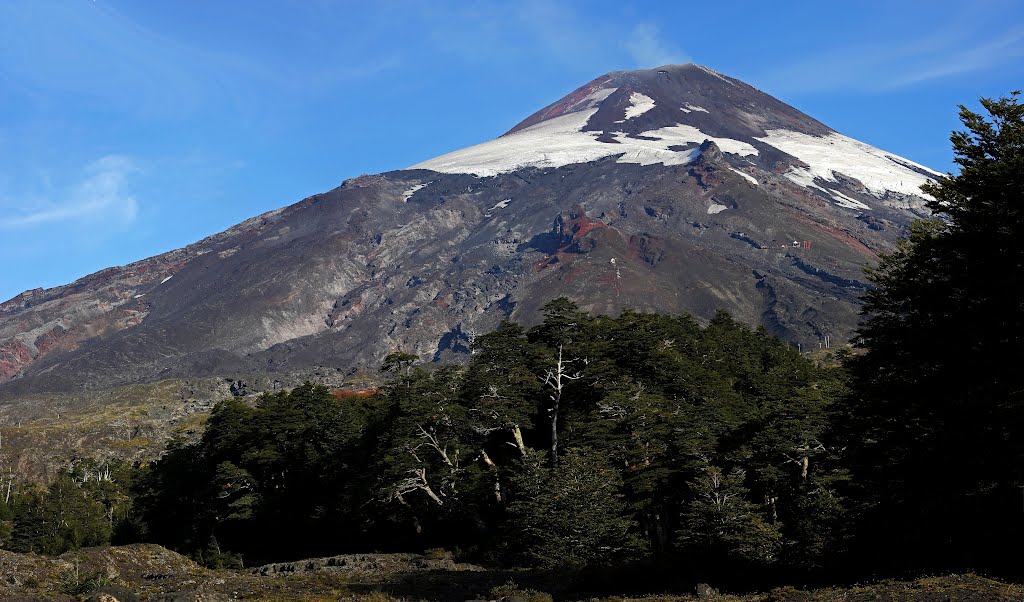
column 1009, row 46
column 95, row 53
column 99, row 195
column 878, row 66
column 556, row 33
column 504, row 33
column 648, row 49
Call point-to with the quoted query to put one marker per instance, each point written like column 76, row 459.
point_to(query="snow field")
column 560, row 141
column 837, row 153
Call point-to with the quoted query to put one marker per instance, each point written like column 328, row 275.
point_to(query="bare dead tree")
column 803, row 457
column 498, row 497
column 718, row 497
column 416, row 482
column 10, row 471
column 557, row 379
column 431, row 442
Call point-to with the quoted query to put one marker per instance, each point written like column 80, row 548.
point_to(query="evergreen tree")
column 569, row 516
column 500, row 388
column 720, row 520
column 58, row 518
column 564, row 334
column 261, row 479
column 641, row 409
column 564, row 324
column 427, row 467
column 934, row 420
column 634, row 428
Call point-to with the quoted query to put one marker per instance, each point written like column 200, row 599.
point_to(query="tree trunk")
column 517, row 434
column 557, row 379
column 497, row 476
column 554, row 433
column 487, row 459
column 432, row 495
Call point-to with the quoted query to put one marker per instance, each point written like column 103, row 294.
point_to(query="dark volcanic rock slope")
column 674, row 189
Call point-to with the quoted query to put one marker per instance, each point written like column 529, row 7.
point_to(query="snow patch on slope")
column 877, row 170
column 408, row 193
column 689, row 108
column 846, row 201
column 551, row 143
column 716, row 208
column 592, row 100
column 683, row 134
column 805, row 178
column 641, row 103
column 650, row 152
column 752, row 179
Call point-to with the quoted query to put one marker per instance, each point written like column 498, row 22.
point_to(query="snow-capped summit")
column 660, row 116
column 675, row 189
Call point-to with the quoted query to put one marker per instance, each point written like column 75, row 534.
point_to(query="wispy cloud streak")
column 559, row 33
column 99, row 195
column 877, row 67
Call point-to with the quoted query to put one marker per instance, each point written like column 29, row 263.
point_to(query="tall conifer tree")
column 938, row 408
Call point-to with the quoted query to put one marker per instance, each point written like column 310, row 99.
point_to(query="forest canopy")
column 583, row 440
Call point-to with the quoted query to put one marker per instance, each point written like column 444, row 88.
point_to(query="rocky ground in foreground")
column 148, row 572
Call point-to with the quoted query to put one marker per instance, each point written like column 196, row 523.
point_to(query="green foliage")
column 399, row 363
column 511, row 590
column 75, row 582
column 721, row 520
column 500, row 384
column 645, row 419
column 572, row 515
column 266, row 479
column 937, row 400
column 424, row 468
column 563, row 324
column 213, row 557
column 58, row 518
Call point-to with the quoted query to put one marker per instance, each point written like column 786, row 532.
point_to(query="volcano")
column 676, row 189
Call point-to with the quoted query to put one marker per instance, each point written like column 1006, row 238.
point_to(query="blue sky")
column 131, row 128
